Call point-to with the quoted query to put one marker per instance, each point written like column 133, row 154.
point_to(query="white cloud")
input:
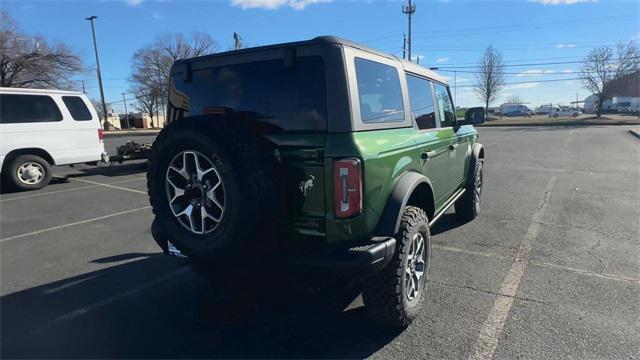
column 562, row 46
column 134, row 2
column 549, row 71
column 442, row 59
column 569, row 83
column 272, row 4
column 156, row 15
column 521, row 86
column 561, row 2
column 567, row 71
column 530, row 72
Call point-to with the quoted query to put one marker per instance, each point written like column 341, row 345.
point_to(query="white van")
column 42, row 128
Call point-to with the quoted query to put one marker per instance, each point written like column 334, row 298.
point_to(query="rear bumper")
column 345, row 265
column 348, row 265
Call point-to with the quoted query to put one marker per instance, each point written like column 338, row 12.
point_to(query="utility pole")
column 95, row 48
column 126, row 112
column 404, row 45
column 236, row 41
column 84, row 90
column 410, row 9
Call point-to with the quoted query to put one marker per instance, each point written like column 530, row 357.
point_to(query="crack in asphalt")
column 469, row 287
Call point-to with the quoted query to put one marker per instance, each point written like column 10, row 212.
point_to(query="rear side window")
column 77, row 108
column 16, row 109
column 445, row 106
column 421, row 99
column 267, row 94
column 379, row 92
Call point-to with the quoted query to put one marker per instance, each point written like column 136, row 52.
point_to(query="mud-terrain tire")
column 246, row 191
column 27, row 172
column 385, row 295
column 469, row 205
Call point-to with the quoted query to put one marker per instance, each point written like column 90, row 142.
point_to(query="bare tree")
column 514, row 99
column 29, row 61
column 489, row 76
column 146, row 101
column 152, row 64
column 606, row 64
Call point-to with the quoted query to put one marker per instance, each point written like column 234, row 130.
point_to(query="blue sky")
column 451, row 33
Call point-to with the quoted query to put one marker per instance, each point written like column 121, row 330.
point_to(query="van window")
column 268, row 95
column 77, row 108
column 15, row 108
column 379, row 92
column 421, row 99
column 445, row 106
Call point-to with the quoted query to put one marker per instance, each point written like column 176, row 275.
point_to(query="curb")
column 131, row 133
column 635, row 132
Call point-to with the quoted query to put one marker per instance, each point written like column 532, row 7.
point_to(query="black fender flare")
column 389, row 223
column 477, row 152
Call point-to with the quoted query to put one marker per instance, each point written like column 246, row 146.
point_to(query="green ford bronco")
column 325, row 154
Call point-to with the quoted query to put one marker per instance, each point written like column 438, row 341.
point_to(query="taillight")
column 100, row 135
column 347, row 180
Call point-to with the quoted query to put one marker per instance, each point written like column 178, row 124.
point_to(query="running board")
column 447, row 206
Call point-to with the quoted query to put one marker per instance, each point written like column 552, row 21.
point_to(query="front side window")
column 421, row 99
column 16, row 109
column 77, row 108
column 379, row 92
column 445, row 106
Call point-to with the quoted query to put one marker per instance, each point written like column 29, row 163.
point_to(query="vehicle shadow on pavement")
column 147, row 306
column 114, row 169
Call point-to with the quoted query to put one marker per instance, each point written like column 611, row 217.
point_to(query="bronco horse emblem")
column 305, row 185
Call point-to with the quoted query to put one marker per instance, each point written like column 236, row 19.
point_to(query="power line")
column 530, row 64
column 528, row 82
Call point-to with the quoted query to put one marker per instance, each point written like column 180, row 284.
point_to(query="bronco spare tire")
column 210, row 184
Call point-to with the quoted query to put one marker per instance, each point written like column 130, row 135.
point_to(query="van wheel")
column 28, row 172
column 396, row 294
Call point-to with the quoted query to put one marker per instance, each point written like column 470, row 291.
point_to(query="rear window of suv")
column 277, row 97
column 77, row 108
column 379, row 92
column 17, row 108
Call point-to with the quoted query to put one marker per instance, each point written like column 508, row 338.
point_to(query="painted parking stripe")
column 111, row 299
column 608, row 276
column 65, row 190
column 73, row 224
column 491, row 331
column 112, row 186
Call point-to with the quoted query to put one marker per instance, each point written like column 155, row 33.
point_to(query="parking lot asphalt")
column 550, row 269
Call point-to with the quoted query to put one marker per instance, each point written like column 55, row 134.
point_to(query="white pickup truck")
column 43, row 128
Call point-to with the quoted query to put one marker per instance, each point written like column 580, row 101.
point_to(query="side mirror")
column 474, row 116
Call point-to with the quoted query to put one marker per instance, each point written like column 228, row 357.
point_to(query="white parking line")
column 65, row 190
column 494, row 324
column 566, row 143
column 609, row 276
column 102, row 303
column 112, row 186
column 73, row 224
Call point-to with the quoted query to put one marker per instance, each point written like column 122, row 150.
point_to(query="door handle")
column 426, row 155
column 453, row 147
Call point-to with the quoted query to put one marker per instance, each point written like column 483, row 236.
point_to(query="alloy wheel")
column 195, row 192
column 415, row 268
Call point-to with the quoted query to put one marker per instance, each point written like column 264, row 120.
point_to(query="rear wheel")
column 468, row 206
column 395, row 295
column 28, row 172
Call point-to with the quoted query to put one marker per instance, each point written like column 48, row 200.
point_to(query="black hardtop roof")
column 327, row 39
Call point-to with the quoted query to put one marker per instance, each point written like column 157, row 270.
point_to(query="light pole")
column 95, row 48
